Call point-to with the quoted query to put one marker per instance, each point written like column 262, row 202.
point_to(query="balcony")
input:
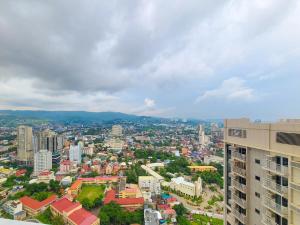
column 271, row 185
column 295, row 164
column 295, row 185
column 272, row 205
column 241, row 187
column 241, row 202
column 239, row 156
column 268, row 220
column 231, row 219
column 240, row 216
column 270, row 165
column 239, row 171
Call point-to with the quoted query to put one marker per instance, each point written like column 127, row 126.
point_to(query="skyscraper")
column 75, row 153
column 25, row 147
column 262, row 172
column 42, row 161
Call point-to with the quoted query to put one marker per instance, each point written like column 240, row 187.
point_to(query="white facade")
column 42, row 161
column 150, row 184
column 152, row 217
column 75, row 154
column 12, row 207
column 185, row 187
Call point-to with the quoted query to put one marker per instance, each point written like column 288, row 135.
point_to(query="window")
column 257, row 194
column 257, row 211
column 257, row 178
column 257, row 161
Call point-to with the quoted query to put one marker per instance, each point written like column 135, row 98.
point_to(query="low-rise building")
column 152, row 217
column 202, row 168
column 73, row 213
column 34, row 207
column 185, row 187
column 149, row 184
column 46, row 176
column 15, row 209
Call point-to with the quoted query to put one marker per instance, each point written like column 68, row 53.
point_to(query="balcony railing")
column 272, row 166
column 239, row 156
column 240, row 216
column 239, row 186
column 240, row 201
column 239, row 171
column 231, row 219
column 267, row 220
column 277, row 208
column 295, row 185
column 270, row 184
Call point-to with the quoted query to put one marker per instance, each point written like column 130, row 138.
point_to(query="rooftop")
column 82, row 217
column 34, row 204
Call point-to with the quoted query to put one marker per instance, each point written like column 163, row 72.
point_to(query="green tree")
column 180, row 209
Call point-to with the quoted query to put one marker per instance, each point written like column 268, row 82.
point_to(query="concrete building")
column 25, row 147
column 203, row 139
column 152, row 173
column 185, row 187
column 13, row 208
column 149, row 184
column 152, row 217
column 262, row 172
column 75, row 153
column 42, row 161
column 116, row 131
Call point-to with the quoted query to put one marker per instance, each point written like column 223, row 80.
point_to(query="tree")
column 54, row 186
column 180, row 209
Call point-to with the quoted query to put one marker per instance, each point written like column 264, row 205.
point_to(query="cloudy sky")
column 196, row 58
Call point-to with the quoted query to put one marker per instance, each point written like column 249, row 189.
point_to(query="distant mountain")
column 71, row 117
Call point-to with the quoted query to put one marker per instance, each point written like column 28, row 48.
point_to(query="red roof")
column 163, row 206
column 34, row 204
column 65, row 205
column 45, row 173
column 21, row 172
column 111, row 196
column 100, row 178
column 66, row 162
column 82, row 217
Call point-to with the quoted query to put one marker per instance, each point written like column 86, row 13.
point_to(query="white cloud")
column 233, row 88
column 149, row 103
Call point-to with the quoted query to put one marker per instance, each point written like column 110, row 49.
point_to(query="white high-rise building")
column 25, row 147
column 203, row 139
column 75, row 153
column 42, row 161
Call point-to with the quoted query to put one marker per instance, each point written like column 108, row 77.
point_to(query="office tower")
column 203, row 139
column 46, row 140
column 75, row 154
column 42, row 161
column 116, row 131
column 60, row 142
column 25, row 147
column 262, row 172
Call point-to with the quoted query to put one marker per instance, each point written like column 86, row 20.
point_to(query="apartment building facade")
column 262, row 172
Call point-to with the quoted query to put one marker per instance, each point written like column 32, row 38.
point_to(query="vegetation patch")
column 91, row 196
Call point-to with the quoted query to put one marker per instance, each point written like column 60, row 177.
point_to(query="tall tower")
column 25, row 147
column 42, row 161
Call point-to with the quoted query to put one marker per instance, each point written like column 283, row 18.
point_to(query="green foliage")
column 48, row 218
column 179, row 165
column 183, row 220
column 113, row 214
column 134, row 172
column 40, row 196
column 180, row 209
column 209, row 177
column 153, row 155
column 54, row 186
column 205, row 220
column 91, row 196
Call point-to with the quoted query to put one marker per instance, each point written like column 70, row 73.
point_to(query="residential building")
column 185, row 187
column 116, row 131
column 75, row 153
column 152, row 217
column 45, row 176
column 149, row 184
column 25, row 147
column 262, row 172
column 152, row 173
column 14, row 208
column 42, row 161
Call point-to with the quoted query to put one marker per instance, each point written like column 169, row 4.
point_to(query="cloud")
column 149, row 102
column 230, row 89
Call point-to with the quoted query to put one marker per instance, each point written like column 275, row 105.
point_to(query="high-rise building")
column 42, row 161
column 25, row 147
column 203, row 139
column 75, row 153
column 46, row 140
column 116, row 131
column 262, row 172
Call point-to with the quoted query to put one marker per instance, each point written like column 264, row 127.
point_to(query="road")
column 195, row 210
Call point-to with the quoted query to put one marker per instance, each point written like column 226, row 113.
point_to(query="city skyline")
column 196, row 59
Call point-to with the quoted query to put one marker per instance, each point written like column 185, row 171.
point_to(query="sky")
column 170, row 58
